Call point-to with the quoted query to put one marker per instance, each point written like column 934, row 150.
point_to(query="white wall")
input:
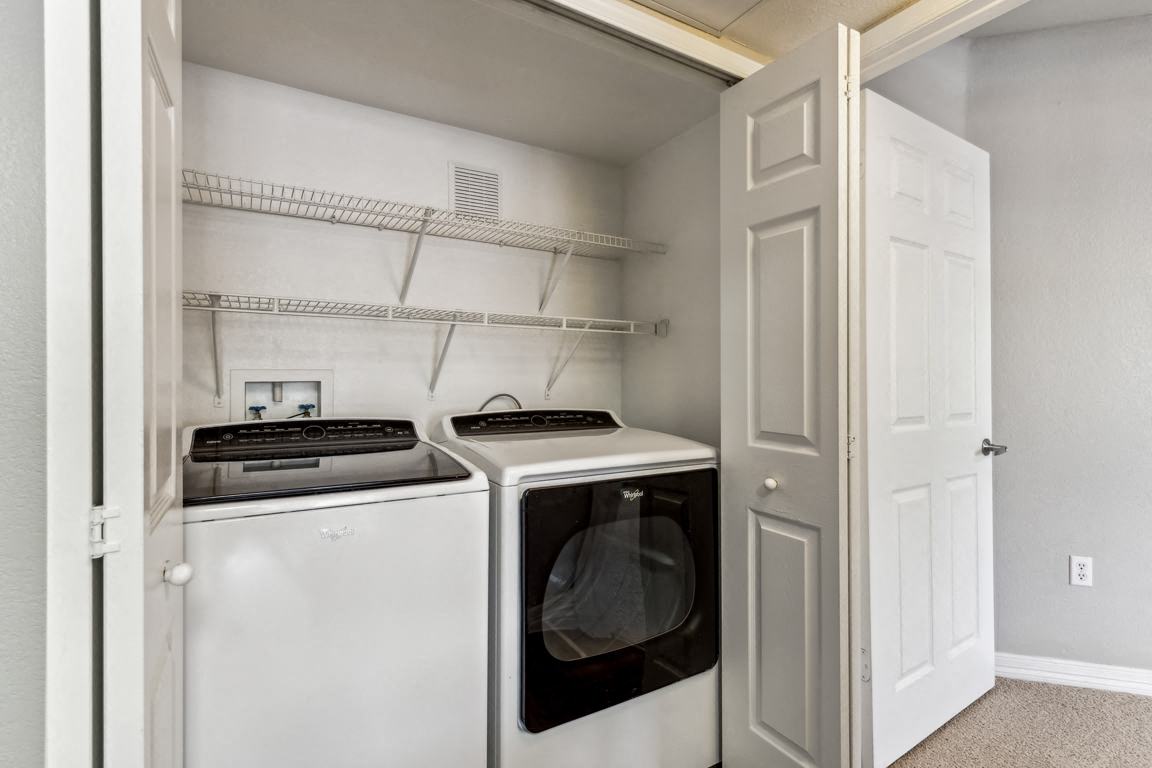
column 246, row 127
column 1066, row 114
column 673, row 197
column 22, row 363
column 934, row 86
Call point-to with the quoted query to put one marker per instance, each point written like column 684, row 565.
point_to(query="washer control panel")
column 271, row 436
column 526, row 421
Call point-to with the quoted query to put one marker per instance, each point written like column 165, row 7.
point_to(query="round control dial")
column 313, row 432
column 539, row 421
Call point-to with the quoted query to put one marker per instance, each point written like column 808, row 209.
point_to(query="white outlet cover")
column 1079, row 571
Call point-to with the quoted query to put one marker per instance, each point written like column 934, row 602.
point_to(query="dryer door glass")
column 619, row 584
column 616, row 584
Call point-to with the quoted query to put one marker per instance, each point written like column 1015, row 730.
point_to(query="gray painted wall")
column 1066, row 115
column 672, row 196
column 934, row 86
column 22, row 490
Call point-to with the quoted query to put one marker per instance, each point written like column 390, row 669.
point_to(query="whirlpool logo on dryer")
column 632, row 494
column 335, row 534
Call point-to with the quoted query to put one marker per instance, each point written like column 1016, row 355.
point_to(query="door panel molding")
column 928, row 599
column 786, row 242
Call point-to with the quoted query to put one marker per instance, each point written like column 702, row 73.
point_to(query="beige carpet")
column 1033, row 725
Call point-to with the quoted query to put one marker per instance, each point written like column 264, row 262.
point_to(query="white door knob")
column 178, row 575
column 771, row 483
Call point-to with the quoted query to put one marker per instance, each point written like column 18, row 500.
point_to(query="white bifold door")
column 929, row 483
column 789, row 176
column 140, row 164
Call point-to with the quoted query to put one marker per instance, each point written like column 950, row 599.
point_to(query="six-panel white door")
column 927, row 273
column 789, row 176
column 143, row 610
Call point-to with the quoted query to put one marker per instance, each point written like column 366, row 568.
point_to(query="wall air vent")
column 475, row 191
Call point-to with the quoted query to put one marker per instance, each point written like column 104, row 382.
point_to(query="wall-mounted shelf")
column 217, row 191
column 216, row 302
column 275, row 305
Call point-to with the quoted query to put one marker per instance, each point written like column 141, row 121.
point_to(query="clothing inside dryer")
column 622, row 580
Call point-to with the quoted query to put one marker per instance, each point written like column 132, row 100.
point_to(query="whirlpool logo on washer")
column 335, row 534
column 632, row 494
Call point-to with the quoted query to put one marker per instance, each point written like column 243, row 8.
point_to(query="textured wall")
column 1066, row 115
column 22, row 494
column 673, row 197
column 934, row 86
column 241, row 126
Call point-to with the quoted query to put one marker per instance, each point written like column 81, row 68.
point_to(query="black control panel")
column 524, row 421
column 296, row 437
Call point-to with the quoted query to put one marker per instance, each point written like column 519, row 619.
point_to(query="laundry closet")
column 374, row 242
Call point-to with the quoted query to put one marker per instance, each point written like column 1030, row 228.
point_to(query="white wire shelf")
column 217, row 191
column 275, row 305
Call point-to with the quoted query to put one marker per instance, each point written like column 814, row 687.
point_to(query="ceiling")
column 774, row 27
column 501, row 67
column 1045, row 14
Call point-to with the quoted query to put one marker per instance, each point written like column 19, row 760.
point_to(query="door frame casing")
column 923, row 26
column 912, row 32
column 69, row 709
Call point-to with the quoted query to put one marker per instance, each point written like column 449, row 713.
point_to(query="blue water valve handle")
column 257, row 411
column 306, row 408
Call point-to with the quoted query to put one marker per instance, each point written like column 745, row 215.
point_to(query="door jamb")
column 922, row 26
column 70, row 663
column 914, row 31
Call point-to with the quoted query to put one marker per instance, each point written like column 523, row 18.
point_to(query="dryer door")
column 620, row 591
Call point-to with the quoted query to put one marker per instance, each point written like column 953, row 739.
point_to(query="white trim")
column 69, row 658
column 917, row 29
column 1080, row 674
column 666, row 32
column 922, row 26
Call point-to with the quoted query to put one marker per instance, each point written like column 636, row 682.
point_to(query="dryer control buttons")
column 521, row 421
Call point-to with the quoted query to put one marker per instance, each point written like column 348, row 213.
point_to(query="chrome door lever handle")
column 989, row 448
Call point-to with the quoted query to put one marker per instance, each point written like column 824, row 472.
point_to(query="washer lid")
column 276, row 459
column 510, row 457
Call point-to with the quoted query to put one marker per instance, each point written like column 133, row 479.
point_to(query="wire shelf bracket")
column 558, row 371
column 217, row 370
column 555, row 275
column 438, row 368
column 415, row 256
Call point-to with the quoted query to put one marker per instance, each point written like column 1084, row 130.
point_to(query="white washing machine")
column 605, row 592
column 339, row 612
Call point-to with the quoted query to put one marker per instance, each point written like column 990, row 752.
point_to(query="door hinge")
column 850, row 87
column 865, row 666
column 850, row 446
column 98, row 545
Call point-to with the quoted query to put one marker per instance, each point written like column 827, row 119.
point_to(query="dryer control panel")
column 526, row 421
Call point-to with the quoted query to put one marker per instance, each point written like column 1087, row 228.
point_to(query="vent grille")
column 475, row 191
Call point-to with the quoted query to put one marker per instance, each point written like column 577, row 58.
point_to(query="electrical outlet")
column 1079, row 571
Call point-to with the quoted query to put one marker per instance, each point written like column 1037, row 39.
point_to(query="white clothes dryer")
column 339, row 612
column 605, row 592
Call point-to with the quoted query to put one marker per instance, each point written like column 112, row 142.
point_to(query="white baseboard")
column 1080, row 674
